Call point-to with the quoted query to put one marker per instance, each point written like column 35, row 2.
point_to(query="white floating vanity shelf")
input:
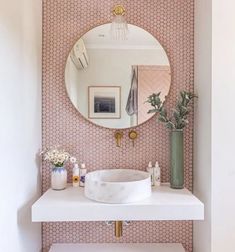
column 71, row 205
column 140, row 247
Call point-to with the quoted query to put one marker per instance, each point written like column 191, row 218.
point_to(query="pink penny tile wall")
column 64, row 21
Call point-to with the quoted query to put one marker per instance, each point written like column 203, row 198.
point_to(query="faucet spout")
column 118, row 136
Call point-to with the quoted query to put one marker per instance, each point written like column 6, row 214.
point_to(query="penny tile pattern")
column 64, row 21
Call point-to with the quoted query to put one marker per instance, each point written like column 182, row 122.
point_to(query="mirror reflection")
column 108, row 81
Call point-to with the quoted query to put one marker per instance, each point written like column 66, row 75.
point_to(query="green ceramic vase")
column 177, row 159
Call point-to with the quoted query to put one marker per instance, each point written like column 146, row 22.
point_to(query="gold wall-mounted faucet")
column 118, row 136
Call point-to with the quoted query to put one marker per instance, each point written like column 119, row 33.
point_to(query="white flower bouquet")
column 56, row 156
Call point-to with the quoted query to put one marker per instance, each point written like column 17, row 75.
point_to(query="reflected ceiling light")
column 119, row 27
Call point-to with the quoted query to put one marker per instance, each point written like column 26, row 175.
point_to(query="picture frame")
column 104, row 102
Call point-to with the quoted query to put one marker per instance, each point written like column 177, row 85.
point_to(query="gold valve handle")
column 133, row 135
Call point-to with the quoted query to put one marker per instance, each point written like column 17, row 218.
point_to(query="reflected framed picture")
column 104, row 102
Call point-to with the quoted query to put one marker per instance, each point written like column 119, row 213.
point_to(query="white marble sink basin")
column 118, row 185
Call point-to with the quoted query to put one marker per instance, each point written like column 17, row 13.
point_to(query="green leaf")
column 153, row 111
column 179, row 114
column 154, row 100
column 162, row 119
column 163, row 112
column 170, row 125
column 176, row 115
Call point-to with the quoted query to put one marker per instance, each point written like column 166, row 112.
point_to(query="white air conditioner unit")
column 79, row 55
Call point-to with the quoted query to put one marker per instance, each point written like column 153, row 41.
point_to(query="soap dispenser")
column 76, row 175
column 157, row 174
column 83, row 172
column 150, row 170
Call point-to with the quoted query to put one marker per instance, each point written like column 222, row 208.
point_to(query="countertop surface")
column 71, row 205
column 111, row 247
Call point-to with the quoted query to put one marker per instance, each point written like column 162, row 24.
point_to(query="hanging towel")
column 132, row 101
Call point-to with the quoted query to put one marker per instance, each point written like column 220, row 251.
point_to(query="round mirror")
column 108, row 81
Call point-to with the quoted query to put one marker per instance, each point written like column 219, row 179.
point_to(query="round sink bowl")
column 118, row 185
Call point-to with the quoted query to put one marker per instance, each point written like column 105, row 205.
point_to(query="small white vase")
column 58, row 178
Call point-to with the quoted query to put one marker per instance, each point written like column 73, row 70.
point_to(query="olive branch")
column 178, row 119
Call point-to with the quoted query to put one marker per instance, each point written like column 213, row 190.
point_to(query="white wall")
column 20, row 129
column 223, row 125
column 202, row 126
column 214, row 170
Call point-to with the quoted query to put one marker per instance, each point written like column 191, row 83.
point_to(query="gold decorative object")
column 119, row 10
column 119, row 27
column 133, row 135
column 118, row 136
column 118, row 229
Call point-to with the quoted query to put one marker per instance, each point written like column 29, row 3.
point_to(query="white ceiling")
column 137, row 38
